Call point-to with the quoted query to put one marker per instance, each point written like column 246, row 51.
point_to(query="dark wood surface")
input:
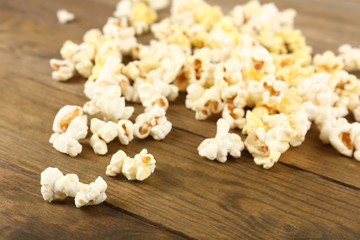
column 312, row 193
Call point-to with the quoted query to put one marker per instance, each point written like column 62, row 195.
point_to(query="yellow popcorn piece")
column 253, row 122
column 140, row 12
column 207, row 15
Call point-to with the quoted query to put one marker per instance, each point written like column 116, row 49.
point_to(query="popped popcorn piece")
column 266, row 146
column 158, row 100
column 64, row 16
column 158, row 4
column 91, row 194
column 109, row 75
column 350, row 56
column 56, row 186
column 109, row 104
column 141, row 17
column 327, row 62
column 125, row 131
column 158, row 88
column 103, row 133
column 234, row 115
column 63, row 70
column 152, row 122
column 223, row 144
column 70, row 125
column 138, row 168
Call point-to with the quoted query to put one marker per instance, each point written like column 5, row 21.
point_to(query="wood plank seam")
column 34, row 175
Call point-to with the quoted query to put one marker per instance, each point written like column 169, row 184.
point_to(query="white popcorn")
column 123, row 9
column 103, row 133
column 63, row 70
column 223, row 144
column 350, row 57
column 234, row 115
column 70, row 125
column 158, row 4
column 56, row 186
column 64, row 16
column 228, row 74
column 267, row 146
column 109, row 75
column 138, row 168
column 327, row 62
column 125, row 131
column 152, row 122
column 158, row 100
column 91, row 194
column 109, row 104
column 315, row 89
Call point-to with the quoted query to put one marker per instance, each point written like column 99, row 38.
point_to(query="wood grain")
column 311, row 194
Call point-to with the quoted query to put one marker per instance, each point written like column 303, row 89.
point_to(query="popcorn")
column 234, row 116
column 327, row 62
column 138, row 168
column 56, row 186
column 103, row 133
column 223, row 144
column 125, row 131
column 109, row 104
column 228, row 74
column 152, row 122
column 158, row 88
column 141, row 17
column 158, row 4
column 91, row 194
column 109, row 75
column 63, row 70
column 70, row 125
column 350, row 57
column 64, row 16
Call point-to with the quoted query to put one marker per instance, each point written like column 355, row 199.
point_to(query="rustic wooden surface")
column 312, row 193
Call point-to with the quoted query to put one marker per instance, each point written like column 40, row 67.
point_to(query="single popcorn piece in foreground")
column 103, row 133
column 350, row 57
column 56, row 186
column 152, row 122
column 223, row 144
column 64, row 16
column 138, row 168
column 70, row 125
column 63, row 70
column 125, row 131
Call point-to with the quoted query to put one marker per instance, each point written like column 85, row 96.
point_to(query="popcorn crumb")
column 64, row 16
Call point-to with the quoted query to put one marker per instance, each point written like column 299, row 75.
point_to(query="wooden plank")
column 25, row 215
column 200, row 198
column 22, row 51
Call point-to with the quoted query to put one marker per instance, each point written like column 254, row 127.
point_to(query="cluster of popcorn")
column 251, row 66
column 56, row 186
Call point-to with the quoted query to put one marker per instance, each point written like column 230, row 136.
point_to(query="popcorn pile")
column 250, row 65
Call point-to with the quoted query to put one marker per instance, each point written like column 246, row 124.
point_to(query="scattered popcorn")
column 223, row 144
column 154, row 123
column 64, row 16
column 327, row 62
column 103, row 133
column 138, row 168
column 56, row 186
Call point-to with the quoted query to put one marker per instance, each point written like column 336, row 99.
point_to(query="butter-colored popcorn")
column 56, row 186
column 63, row 70
column 154, row 123
column 64, row 16
column 171, row 33
column 350, row 56
column 141, row 17
column 138, row 168
column 70, row 125
column 93, row 36
column 327, row 62
column 223, row 144
column 125, row 131
column 103, row 133
column 91, row 194
column 109, row 104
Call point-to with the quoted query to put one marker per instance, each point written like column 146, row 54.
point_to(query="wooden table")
column 312, row 193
